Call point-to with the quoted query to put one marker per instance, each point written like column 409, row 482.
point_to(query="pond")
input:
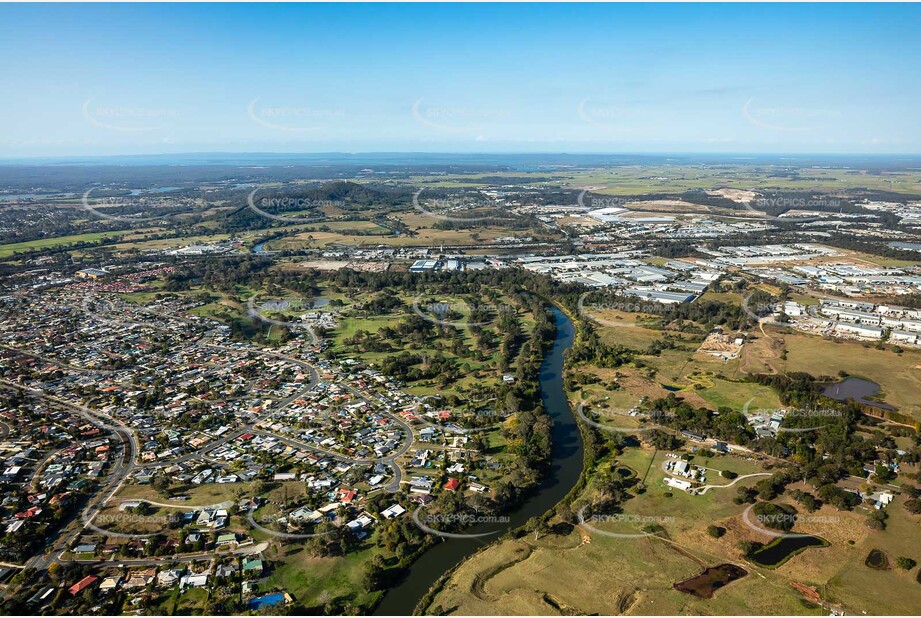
column 907, row 246
column 858, row 389
column 783, row 548
column 877, row 559
column 711, row 580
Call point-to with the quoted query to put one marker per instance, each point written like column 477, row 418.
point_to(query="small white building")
column 861, row 330
column 678, row 483
column 682, row 467
column 792, row 309
column 392, row 511
column 194, row 581
column 902, row 336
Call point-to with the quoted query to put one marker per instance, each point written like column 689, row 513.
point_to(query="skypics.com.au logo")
column 430, row 406
column 450, row 313
column 654, row 417
column 612, row 118
column 436, row 207
column 290, row 204
column 600, row 202
column 288, row 312
column 787, row 119
column 436, row 523
column 789, row 420
column 455, row 118
column 778, row 524
column 295, row 119
column 591, row 310
column 103, row 207
column 762, row 312
column 622, row 520
column 126, row 119
column 788, row 203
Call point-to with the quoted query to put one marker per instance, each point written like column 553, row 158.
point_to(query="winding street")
column 52, row 361
column 702, row 490
column 128, row 450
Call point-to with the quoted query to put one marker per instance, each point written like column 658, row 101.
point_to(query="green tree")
column 905, row 563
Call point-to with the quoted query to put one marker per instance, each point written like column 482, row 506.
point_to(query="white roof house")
column 194, row 581
column 678, row 483
column 392, row 511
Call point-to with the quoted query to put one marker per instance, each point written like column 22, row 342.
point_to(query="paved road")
column 178, row 558
column 281, row 535
column 129, row 449
column 96, row 418
column 119, row 472
column 33, row 483
column 703, row 490
column 226, row 504
column 53, row 361
column 391, row 460
column 203, row 343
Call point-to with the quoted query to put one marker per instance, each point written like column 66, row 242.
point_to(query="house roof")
column 82, row 584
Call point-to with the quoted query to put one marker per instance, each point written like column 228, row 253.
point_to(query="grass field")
column 332, row 232
column 899, row 375
column 704, row 381
column 721, row 393
column 475, row 368
column 637, row 179
column 689, row 515
column 207, row 494
column 584, row 572
column 191, row 601
column 725, row 297
column 61, row 241
column 315, row 581
column 579, row 574
column 863, row 589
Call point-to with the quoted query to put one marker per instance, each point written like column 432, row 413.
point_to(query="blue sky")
column 159, row 78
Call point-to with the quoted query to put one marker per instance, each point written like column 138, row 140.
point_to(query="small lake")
column 782, row 549
column 906, row 246
column 858, row 389
column 711, row 580
column 877, row 559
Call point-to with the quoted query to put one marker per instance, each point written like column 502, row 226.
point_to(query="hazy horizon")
column 110, row 80
column 523, row 160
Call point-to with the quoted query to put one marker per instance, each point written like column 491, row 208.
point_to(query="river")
column 564, row 473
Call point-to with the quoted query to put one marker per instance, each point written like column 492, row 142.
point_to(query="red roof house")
column 83, row 584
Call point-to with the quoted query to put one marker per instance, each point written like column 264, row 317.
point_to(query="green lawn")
column 314, row 581
column 61, row 241
column 735, row 394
